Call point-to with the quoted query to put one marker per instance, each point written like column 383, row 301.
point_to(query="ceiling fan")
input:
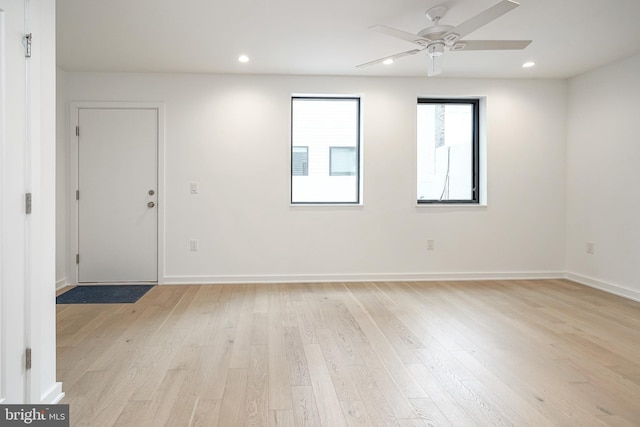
column 437, row 38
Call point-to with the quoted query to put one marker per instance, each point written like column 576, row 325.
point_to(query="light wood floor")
column 497, row 353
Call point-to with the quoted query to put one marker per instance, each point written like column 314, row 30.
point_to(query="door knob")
column 151, row 204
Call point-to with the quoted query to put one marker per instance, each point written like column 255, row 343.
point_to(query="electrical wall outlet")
column 193, row 188
column 590, row 247
column 193, row 245
column 431, row 244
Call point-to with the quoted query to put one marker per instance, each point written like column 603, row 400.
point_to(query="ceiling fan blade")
column 396, row 56
column 434, row 65
column 481, row 19
column 490, row 45
column 403, row 35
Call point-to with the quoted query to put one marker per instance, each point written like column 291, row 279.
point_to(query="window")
column 325, row 150
column 342, row 161
column 300, row 161
column 448, row 151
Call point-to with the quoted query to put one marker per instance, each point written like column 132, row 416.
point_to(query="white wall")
column 231, row 135
column 603, row 206
column 62, row 183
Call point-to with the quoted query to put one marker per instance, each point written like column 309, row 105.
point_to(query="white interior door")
column 13, row 186
column 118, row 185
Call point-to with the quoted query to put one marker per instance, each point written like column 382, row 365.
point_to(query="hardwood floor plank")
column 282, row 418
column 298, row 370
column 133, row 414
column 233, row 406
column 305, row 322
column 338, row 368
column 305, row 409
column 257, row 387
column 205, row 413
column 392, row 393
column 482, row 410
column 615, row 421
column 608, row 405
column 429, row 413
column 279, row 379
column 525, row 407
column 182, row 410
column 411, row 423
column 377, row 341
column 373, row 400
column 259, row 328
column 165, row 396
column 453, row 409
column 355, row 414
column 242, row 340
column 328, row 404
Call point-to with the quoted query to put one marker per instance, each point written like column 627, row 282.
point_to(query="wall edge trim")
column 604, row 286
column 61, row 284
column 380, row 277
column 53, row 396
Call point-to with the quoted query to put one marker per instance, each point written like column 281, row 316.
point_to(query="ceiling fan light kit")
column 438, row 38
column 435, row 50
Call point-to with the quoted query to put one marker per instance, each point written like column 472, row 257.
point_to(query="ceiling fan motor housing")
column 435, row 33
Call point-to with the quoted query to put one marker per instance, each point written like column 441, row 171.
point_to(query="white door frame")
column 28, row 240
column 15, row 179
column 73, row 177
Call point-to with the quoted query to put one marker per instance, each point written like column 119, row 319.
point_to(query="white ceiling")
column 330, row 37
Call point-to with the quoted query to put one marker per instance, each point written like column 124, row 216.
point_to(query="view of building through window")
column 447, row 151
column 325, row 150
column 300, row 161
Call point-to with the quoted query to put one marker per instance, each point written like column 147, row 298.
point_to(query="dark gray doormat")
column 107, row 294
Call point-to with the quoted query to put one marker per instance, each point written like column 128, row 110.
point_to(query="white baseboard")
column 382, row 277
column 61, row 284
column 604, row 286
column 53, row 396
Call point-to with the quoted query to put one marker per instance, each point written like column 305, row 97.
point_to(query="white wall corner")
column 604, row 286
column 61, row 284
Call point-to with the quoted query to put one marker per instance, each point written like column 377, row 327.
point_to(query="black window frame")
column 475, row 150
column 358, row 147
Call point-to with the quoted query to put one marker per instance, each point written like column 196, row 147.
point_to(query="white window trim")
column 360, row 157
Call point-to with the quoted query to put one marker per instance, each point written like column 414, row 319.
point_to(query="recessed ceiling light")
column 243, row 58
column 388, row 61
column 528, row 64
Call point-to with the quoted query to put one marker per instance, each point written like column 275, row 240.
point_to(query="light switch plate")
column 193, row 188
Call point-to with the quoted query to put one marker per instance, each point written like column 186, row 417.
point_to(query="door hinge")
column 27, row 45
column 27, row 203
column 77, row 130
column 27, row 358
column 77, row 194
column 77, row 258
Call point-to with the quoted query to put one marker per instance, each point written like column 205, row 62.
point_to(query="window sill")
column 326, row 205
column 452, row 205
